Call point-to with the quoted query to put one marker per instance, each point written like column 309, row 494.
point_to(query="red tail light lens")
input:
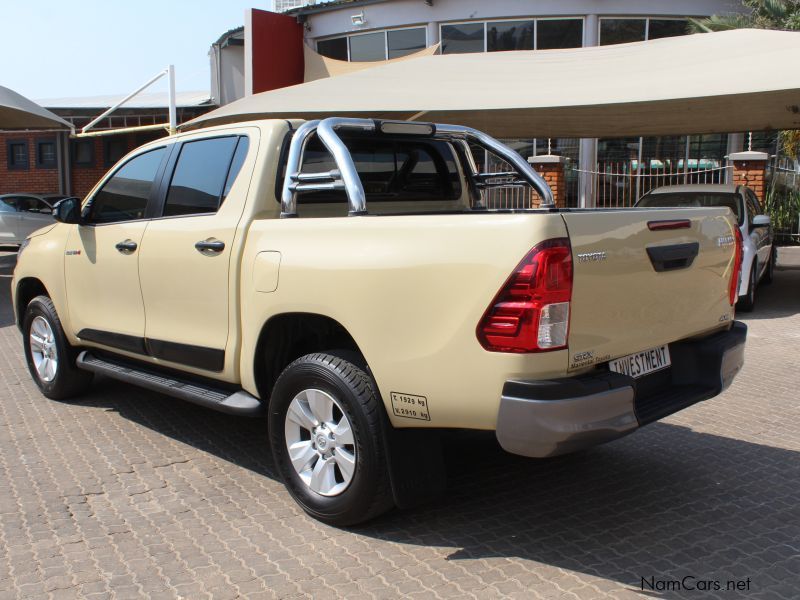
column 531, row 311
column 733, row 291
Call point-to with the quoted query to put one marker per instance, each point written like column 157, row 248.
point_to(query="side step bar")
column 239, row 403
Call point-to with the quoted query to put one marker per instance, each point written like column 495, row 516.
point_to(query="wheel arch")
column 27, row 289
column 288, row 336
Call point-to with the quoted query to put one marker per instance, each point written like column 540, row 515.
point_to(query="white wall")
column 398, row 13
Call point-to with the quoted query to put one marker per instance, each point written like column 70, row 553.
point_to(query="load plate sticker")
column 410, row 406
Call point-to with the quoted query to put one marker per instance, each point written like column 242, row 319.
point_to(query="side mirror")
column 67, row 210
column 761, row 221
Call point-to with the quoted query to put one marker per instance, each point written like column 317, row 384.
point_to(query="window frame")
column 155, row 191
column 11, row 164
column 89, row 142
column 485, row 22
column 646, row 18
column 160, row 201
column 107, row 161
column 385, row 33
column 49, row 164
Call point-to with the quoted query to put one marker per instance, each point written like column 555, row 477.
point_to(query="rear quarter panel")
column 411, row 291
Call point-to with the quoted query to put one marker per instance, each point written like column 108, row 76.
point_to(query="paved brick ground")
column 126, row 493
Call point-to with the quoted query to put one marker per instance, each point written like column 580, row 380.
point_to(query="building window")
column 661, row 28
column 333, row 48
column 509, row 35
column 402, row 42
column 622, row 31
column 368, row 47
column 18, row 154
column 552, row 34
column 528, row 34
column 83, row 153
column 374, row 46
column 46, row 154
column 114, row 148
column 462, row 38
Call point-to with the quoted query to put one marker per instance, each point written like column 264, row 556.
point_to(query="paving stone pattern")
column 129, row 494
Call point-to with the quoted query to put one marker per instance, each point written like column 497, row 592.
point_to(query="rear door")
column 635, row 288
column 761, row 236
column 189, row 250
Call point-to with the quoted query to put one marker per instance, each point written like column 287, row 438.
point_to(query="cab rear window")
column 694, row 200
column 391, row 170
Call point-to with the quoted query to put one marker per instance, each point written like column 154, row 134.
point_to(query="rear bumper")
column 551, row 417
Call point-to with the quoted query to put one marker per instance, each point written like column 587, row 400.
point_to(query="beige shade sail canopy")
column 704, row 83
column 320, row 67
column 17, row 112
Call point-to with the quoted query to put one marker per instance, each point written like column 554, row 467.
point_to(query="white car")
column 22, row 214
column 758, row 253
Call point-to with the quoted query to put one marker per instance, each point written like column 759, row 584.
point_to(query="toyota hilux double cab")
column 348, row 279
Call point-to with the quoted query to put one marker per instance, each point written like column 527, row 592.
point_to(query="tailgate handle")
column 673, row 257
column 669, row 224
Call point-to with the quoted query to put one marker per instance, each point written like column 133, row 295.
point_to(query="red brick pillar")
column 750, row 168
column 552, row 169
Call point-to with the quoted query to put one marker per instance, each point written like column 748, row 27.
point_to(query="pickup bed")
column 349, row 280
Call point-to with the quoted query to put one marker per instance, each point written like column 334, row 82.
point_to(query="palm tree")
column 759, row 14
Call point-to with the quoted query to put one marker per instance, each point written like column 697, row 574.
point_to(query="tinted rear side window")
column 124, row 197
column 694, row 200
column 200, row 175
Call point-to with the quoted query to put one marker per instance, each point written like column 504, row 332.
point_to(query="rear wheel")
column 326, row 431
column 748, row 301
column 50, row 358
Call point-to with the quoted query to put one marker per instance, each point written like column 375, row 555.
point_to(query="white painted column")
column 433, row 33
column 587, row 156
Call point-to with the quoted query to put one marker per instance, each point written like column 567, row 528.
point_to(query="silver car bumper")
column 548, row 418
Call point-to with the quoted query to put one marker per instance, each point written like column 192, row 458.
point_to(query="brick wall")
column 749, row 169
column 552, row 170
column 83, row 177
column 34, row 179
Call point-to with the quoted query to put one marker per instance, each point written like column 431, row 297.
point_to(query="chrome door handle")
column 127, row 247
column 210, row 246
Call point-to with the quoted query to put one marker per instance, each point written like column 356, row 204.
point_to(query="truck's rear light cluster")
column 531, row 311
column 733, row 290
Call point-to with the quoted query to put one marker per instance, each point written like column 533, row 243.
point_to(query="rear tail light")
column 733, row 290
column 531, row 311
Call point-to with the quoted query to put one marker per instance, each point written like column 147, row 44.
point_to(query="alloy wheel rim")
column 320, row 442
column 44, row 351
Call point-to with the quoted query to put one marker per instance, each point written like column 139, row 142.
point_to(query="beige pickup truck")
column 347, row 279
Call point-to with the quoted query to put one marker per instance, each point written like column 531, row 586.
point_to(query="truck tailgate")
column 635, row 288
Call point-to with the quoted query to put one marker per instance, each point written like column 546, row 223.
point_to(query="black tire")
column 68, row 381
column 747, row 302
column 369, row 492
column 769, row 273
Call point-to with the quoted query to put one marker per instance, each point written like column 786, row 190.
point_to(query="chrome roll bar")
column 345, row 176
column 527, row 172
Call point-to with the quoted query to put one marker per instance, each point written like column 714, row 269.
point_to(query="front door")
column 102, row 255
column 188, row 253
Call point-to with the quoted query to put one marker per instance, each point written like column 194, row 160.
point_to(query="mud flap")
column 416, row 465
